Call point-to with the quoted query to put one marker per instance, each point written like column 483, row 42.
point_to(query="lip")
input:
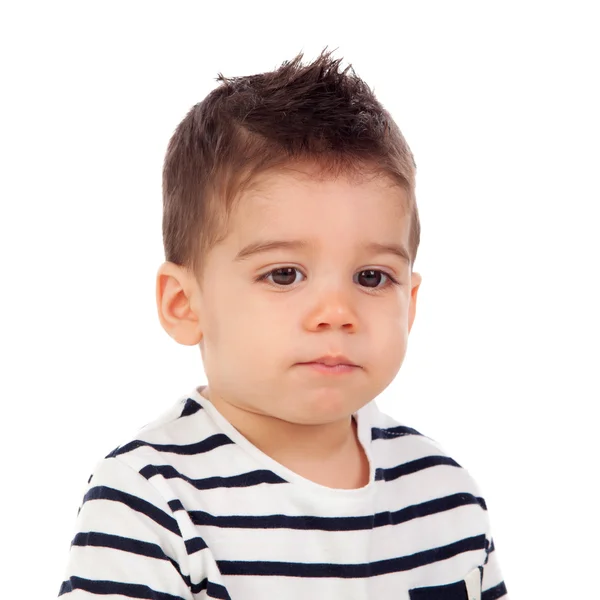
column 339, row 369
column 331, row 360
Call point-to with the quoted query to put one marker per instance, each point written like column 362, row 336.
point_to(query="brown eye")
column 370, row 278
column 283, row 276
column 367, row 278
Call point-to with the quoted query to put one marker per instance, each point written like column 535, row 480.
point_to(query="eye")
column 283, row 276
column 371, row 278
column 368, row 278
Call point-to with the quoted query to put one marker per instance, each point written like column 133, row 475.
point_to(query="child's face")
column 255, row 333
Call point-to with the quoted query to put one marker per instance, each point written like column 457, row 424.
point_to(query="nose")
column 332, row 309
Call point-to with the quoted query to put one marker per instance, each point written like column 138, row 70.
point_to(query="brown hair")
column 297, row 113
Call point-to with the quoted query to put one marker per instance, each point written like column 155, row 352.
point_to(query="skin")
column 252, row 334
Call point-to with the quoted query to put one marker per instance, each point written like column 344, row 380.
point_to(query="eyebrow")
column 269, row 245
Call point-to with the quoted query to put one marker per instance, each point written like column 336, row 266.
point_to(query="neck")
column 289, row 442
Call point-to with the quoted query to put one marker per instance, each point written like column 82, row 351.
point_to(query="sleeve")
column 127, row 542
column 492, row 580
column 492, row 584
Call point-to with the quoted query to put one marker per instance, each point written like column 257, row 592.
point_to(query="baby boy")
column 290, row 230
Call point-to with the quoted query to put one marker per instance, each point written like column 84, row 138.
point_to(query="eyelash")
column 391, row 280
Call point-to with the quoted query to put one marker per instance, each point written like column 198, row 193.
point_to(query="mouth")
column 332, row 364
column 330, row 369
column 331, row 360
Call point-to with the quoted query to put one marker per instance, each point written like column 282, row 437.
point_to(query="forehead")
column 305, row 196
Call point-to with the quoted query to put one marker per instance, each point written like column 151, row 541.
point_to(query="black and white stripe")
column 190, row 509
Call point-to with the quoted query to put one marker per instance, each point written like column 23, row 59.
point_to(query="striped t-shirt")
column 190, row 509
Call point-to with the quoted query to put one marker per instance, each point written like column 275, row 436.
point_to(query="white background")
column 500, row 105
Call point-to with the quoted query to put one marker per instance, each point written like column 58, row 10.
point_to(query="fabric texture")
column 190, row 509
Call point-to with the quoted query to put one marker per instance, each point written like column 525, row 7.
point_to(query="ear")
column 412, row 309
column 177, row 299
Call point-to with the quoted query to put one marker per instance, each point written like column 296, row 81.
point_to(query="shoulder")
column 393, row 435
column 405, row 452
column 178, row 432
column 167, row 445
column 127, row 474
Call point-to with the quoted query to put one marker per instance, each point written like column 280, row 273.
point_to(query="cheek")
column 393, row 338
column 240, row 323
